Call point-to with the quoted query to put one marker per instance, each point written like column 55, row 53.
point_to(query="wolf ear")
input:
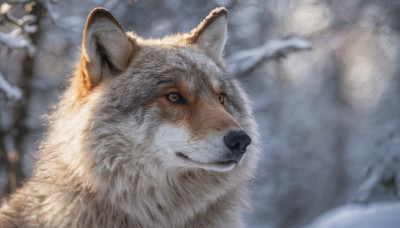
column 106, row 49
column 210, row 34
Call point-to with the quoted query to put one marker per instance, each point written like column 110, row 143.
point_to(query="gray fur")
column 99, row 164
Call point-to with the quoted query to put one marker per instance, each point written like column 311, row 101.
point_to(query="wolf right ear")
column 106, row 48
column 210, row 34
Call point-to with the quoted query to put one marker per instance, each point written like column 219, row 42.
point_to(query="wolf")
column 149, row 133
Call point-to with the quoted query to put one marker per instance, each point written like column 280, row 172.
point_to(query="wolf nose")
column 237, row 141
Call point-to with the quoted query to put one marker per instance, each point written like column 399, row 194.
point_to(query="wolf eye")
column 222, row 98
column 175, row 98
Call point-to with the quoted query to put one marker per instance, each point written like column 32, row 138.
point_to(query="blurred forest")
column 323, row 76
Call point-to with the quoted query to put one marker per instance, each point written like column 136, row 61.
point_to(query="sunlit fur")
column 109, row 157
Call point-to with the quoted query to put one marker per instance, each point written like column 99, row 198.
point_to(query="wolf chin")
column 149, row 133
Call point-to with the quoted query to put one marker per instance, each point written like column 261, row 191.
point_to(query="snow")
column 377, row 215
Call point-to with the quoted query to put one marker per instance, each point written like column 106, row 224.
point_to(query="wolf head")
column 167, row 103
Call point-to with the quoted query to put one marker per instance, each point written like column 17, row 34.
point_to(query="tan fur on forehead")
column 182, row 40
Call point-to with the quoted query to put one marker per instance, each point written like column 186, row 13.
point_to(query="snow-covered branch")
column 23, row 26
column 25, row 22
column 15, row 39
column 244, row 61
column 11, row 92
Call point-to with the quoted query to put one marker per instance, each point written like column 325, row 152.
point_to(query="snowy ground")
column 376, row 215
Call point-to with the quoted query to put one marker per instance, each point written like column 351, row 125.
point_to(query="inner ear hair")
column 105, row 59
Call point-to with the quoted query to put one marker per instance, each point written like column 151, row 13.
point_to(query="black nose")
column 237, row 141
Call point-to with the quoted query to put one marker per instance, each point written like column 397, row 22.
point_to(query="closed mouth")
column 216, row 166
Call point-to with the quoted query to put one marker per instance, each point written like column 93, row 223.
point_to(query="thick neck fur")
column 97, row 189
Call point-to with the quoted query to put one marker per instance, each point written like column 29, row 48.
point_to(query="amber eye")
column 175, row 98
column 222, row 98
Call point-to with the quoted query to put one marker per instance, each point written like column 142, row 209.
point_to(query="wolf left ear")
column 210, row 34
column 106, row 48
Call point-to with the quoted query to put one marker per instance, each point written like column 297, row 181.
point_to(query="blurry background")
column 329, row 116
